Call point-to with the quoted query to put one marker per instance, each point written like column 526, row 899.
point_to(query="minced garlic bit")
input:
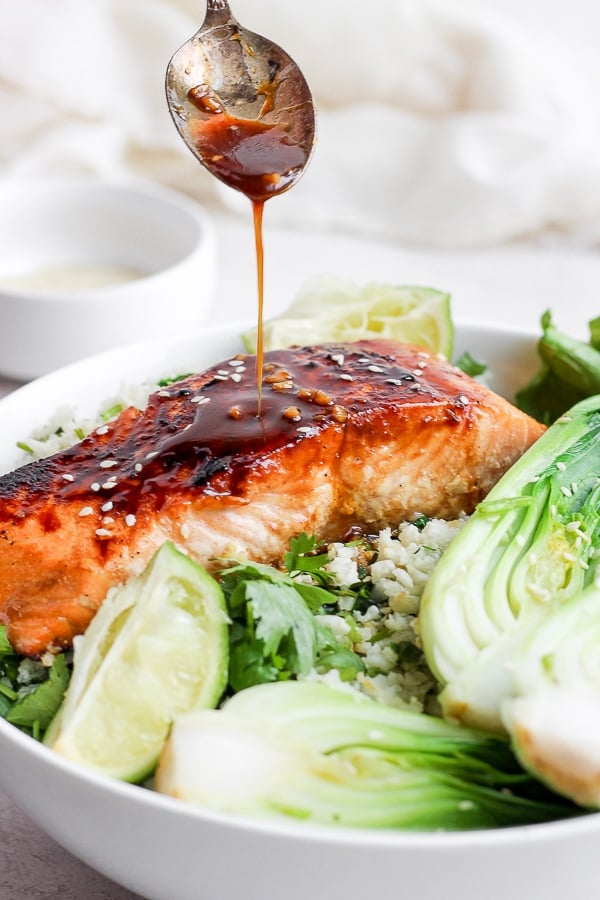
column 292, row 413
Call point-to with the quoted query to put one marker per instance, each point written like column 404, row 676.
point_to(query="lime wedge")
column 156, row 648
column 329, row 309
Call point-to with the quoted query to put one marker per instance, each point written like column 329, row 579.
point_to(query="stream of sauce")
column 256, row 158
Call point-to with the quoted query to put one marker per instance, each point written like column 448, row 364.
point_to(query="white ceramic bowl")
column 88, row 265
column 166, row 850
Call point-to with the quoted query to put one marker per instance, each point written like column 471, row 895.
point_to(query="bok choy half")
column 314, row 753
column 510, row 619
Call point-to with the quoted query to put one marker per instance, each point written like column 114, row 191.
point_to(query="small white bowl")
column 87, row 265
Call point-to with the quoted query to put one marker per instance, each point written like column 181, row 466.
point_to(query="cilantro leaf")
column 36, row 709
column 301, row 557
column 280, row 613
column 469, row 365
column 275, row 634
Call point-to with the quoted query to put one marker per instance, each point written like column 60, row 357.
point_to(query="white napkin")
column 436, row 125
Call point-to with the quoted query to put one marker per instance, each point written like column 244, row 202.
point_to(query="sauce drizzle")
column 257, row 158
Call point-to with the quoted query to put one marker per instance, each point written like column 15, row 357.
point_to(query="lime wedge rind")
column 157, row 648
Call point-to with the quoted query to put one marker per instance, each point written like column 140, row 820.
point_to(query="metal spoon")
column 241, row 105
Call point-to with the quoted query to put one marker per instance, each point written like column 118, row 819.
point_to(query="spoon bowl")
column 241, row 105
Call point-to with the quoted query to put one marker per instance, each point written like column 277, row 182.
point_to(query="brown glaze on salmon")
column 364, row 434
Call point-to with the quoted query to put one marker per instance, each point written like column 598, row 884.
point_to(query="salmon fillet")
column 365, row 434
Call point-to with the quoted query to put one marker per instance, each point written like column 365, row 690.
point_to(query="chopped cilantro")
column 469, row 365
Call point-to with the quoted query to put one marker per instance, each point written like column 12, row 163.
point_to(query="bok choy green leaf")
column 511, row 615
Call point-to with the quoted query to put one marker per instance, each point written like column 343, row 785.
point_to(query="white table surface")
column 508, row 285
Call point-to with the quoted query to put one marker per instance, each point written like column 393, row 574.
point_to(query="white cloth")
column 438, row 123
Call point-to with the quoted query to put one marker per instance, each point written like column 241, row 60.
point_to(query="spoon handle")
column 217, row 5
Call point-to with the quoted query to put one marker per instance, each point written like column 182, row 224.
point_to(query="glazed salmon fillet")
column 365, row 434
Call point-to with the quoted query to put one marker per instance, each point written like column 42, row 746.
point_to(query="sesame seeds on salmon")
column 360, row 435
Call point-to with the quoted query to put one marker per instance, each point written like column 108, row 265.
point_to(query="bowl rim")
column 293, row 830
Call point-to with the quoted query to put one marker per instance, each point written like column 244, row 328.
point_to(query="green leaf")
column 5, row 646
column 469, row 365
column 41, row 704
column 569, row 372
column 301, row 557
column 279, row 612
column 594, row 326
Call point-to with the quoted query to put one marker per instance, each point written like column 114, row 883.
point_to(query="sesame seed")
column 235, row 376
column 151, row 455
column 201, row 400
column 163, row 393
column 94, row 486
column 103, row 533
column 68, row 477
column 574, row 526
column 464, row 399
column 236, row 363
column 106, row 507
column 86, row 511
column 107, row 520
column 130, row 520
column 103, row 429
column 375, row 369
column 138, row 467
column 221, row 377
column 566, row 491
column 109, row 485
column 363, row 359
column 338, row 358
column 397, row 382
column 417, row 372
column 185, row 530
column 561, row 466
column 222, row 372
column 108, row 463
column 345, row 377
